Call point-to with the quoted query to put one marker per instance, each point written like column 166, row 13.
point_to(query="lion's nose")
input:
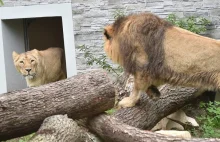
column 28, row 70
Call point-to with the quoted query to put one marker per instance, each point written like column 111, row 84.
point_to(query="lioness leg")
column 141, row 84
column 62, row 76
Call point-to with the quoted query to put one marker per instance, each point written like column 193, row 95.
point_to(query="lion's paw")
column 127, row 102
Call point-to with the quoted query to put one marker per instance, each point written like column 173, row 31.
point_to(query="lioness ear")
column 108, row 31
column 35, row 51
column 14, row 55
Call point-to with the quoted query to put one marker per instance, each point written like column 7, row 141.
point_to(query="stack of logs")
column 73, row 110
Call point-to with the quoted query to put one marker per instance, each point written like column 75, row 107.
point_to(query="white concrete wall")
column 13, row 40
column 20, row 12
column 3, row 83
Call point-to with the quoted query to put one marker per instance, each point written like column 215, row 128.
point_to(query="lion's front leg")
column 131, row 100
column 140, row 86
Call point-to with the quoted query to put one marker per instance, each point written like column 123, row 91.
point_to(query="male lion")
column 40, row 67
column 156, row 52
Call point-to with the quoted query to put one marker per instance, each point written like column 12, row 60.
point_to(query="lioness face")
column 26, row 64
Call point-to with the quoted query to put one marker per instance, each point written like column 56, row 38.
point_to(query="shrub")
column 196, row 25
column 210, row 121
column 91, row 59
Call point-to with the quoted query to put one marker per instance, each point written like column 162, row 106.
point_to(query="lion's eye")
column 32, row 60
column 21, row 62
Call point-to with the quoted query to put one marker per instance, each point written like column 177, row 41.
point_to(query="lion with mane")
column 41, row 67
column 156, row 52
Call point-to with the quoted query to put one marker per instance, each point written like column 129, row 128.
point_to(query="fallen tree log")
column 148, row 112
column 143, row 116
column 113, row 130
column 60, row 128
column 23, row 111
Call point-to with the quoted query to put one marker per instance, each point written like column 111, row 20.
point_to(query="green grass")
column 110, row 111
column 21, row 139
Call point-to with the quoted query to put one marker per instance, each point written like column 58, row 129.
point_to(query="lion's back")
column 54, row 63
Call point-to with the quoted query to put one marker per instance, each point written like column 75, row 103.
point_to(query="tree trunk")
column 23, row 111
column 113, row 130
column 148, row 112
column 60, row 128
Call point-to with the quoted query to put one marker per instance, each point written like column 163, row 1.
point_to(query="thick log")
column 23, row 111
column 60, row 128
column 113, row 130
column 144, row 115
column 148, row 112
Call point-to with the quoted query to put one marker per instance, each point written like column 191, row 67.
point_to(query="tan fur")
column 200, row 54
column 190, row 52
column 45, row 66
column 156, row 52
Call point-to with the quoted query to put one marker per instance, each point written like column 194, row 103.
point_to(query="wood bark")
column 60, row 128
column 113, row 130
column 84, row 95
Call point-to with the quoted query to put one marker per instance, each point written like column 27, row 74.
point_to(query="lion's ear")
column 14, row 55
column 108, row 31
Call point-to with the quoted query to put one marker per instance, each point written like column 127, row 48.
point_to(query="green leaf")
column 193, row 24
column 1, row 2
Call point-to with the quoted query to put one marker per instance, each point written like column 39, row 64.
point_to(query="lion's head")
column 26, row 63
column 130, row 38
column 111, row 47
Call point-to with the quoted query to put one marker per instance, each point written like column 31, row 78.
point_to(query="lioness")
column 156, row 52
column 40, row 67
